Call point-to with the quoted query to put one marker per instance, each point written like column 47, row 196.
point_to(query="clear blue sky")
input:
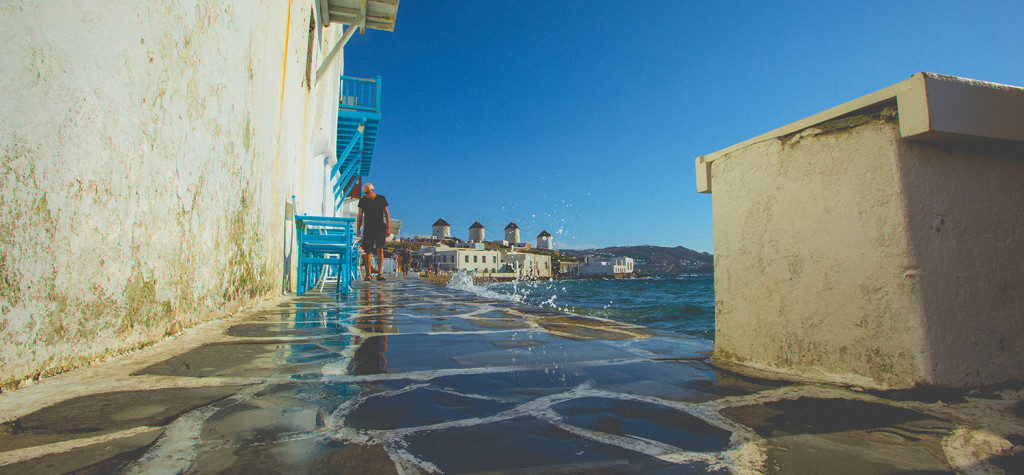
column 583, row 118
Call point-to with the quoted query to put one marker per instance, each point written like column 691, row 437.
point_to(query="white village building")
column 470, row 260
column 529, row 265
column 606, row 266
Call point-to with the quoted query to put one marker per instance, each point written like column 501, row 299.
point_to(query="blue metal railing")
column 360, row 94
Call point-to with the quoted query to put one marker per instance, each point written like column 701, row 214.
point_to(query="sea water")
column 681, row 304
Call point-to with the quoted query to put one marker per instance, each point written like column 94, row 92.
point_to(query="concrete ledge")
column 930, row 107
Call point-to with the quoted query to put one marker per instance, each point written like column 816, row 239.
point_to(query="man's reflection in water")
column 376, row 320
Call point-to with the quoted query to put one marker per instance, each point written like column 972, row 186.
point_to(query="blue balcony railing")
column 358, row 94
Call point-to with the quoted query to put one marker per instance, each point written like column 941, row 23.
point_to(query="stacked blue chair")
column 325, row 242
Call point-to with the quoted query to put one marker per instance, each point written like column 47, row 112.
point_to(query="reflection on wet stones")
column 117, row 410
column 370, row 357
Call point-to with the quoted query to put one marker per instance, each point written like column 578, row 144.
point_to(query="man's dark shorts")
column 373, row 240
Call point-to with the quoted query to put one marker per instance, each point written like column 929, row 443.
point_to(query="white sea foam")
column 462, row 281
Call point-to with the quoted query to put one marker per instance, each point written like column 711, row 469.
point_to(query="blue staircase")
column 330, row 242
column 358, row 123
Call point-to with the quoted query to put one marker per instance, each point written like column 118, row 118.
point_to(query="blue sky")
column 584, row 118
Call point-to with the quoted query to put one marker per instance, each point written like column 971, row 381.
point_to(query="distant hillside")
column 651, row 260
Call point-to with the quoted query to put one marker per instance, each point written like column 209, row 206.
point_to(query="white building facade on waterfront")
column 468, row 260
column 526, row 264
column 606, row 266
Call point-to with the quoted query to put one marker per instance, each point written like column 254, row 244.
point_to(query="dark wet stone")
column 113, row 456
column 312, row 456
column 813, row 416
column 278, row 330
column 648, row 421
column 420, row 407
column 106, row 412
column 241, row 359
column 530, row 445
column 671, row 380
column 517, row 386
column 809, row 435
column 1013, row 460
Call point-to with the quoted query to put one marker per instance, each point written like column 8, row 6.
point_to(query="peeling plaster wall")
column 146, row 153
column 811, row 255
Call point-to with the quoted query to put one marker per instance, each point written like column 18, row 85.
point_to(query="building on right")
column 878, row 243
column 606, row 266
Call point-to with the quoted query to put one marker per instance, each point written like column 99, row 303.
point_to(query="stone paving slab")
column 408, row 377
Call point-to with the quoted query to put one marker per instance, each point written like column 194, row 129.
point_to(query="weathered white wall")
column 846, row 253
column 146, row 153
column 810, row 254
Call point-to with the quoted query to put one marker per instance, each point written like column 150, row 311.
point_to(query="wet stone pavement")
column 408, row 377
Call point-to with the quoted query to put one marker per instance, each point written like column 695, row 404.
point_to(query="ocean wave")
column 676, row 304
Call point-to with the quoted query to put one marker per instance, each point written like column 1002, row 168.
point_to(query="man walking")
column 375, row 222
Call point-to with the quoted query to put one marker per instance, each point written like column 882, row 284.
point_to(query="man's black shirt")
column 373, row 213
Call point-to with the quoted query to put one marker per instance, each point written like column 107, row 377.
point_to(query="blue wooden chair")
column 325, row 241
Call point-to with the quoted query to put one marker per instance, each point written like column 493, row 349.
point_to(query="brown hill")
column 650, row 260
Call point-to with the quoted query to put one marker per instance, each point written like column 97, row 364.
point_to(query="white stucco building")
column 606, row 266
column 467, row 260
column 529, row 265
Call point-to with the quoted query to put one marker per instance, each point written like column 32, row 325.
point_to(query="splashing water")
column 683, row 304
column 462, row 281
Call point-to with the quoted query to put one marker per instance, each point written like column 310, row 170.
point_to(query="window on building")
column 474, row 259
column 467, row 259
